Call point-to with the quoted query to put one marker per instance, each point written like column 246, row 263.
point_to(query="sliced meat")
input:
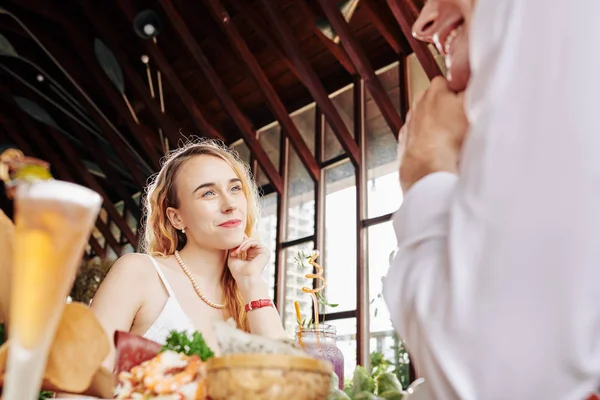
column 132, row 350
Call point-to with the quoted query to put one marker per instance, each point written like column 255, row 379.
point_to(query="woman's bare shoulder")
column 132, row 267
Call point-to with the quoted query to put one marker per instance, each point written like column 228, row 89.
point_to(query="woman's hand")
column 247, row 261
column 433, row 135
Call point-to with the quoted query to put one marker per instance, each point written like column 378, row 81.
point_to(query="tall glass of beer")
column 53, row 222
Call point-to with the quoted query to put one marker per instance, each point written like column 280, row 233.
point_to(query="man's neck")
column 205, row 263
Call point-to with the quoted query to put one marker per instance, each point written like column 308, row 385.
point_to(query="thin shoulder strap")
column 162, row 276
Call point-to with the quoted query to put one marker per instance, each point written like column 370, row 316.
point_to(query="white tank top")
column 171, row 318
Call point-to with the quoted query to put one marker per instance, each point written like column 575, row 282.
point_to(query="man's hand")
column 433, row 134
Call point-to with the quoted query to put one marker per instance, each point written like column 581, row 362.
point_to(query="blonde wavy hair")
column 162, row 239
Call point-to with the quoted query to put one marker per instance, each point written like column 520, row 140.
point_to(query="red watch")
column 255, row 304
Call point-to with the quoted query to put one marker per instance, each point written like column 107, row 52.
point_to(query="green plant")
column 89, row 277
column 301, row 259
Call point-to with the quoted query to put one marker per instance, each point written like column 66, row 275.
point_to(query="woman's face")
column 212, row 205
column 445, row 24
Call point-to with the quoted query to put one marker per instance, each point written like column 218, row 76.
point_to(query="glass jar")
column 322, row 344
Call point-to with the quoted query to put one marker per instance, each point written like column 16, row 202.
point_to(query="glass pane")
column 295, row 280
column 383, row 194
column 267, row 232
column 243, row 151
column 132, row 222
column 346, row 341
column 390, row 80
column 340, row 238
column 381, row 242
column 301, row 200
column 269, row 139
column 344, row 103
column 261, row 178
column 305, row 123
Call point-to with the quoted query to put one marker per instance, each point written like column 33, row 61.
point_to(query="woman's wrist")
column 253, row 288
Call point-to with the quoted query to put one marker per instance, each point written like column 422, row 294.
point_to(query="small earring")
column 183, row 231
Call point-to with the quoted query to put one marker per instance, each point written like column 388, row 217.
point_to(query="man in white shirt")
column 496, row 283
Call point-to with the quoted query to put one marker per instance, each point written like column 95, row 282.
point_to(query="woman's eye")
column 209, row 193
column 236, row 188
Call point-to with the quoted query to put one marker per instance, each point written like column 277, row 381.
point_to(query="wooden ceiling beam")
column 140, row 132
column 406, row 19
column 152, row 149
column 91, row 182
column 138, row 87
column 85, row 100
column 261, row 26
column 363, row 66
column 311, row 80
column 275, row 104
column 391, row 33
column 62, row 171
column 112, row 175
column 188, row 101
column 96, row 247
column 223, row 94
column 75, row 72
column 337, row 51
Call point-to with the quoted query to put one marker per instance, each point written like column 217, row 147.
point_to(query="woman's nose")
column 423, row 28
column 229, row 204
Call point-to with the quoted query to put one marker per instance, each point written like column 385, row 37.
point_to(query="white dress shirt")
column 496, row 283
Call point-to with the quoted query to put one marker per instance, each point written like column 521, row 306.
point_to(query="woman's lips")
column 232, row 223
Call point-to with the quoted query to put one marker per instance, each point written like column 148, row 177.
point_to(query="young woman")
column 202, row 262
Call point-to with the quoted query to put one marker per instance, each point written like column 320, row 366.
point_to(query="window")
column 269, row 140
column 340, row 238
column 346, row 342
column 243, row 151
column 294, row 282
column 344, row 103
column 267, row 232
column 381, row 242
column 383, row 188
column 301, row 200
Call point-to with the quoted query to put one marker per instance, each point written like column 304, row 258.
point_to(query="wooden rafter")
column 186, row 98
column 91, row 182
column 311, row 80
column 391, row 33
column 363, row 66
column 110, row 172
column 262, row 82
column 87, row 65
column 261, row 26
column 62, row 171
column 96, row 247
column 223, row 95
column 337, row 51
column 406, row 19
column 109, row 133
column 85, row 50
column 138, row 87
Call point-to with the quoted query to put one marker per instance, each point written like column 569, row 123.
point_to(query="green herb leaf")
column 180, row 342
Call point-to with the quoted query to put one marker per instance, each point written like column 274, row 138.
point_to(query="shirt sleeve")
column 496, row 283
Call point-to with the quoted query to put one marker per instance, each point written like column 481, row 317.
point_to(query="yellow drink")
column 53, row 221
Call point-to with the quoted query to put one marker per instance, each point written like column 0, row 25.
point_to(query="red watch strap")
column 253, row 305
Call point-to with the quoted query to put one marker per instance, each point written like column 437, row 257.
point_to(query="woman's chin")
column 233, row 241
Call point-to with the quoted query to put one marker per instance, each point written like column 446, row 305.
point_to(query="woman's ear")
column 175, row 218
